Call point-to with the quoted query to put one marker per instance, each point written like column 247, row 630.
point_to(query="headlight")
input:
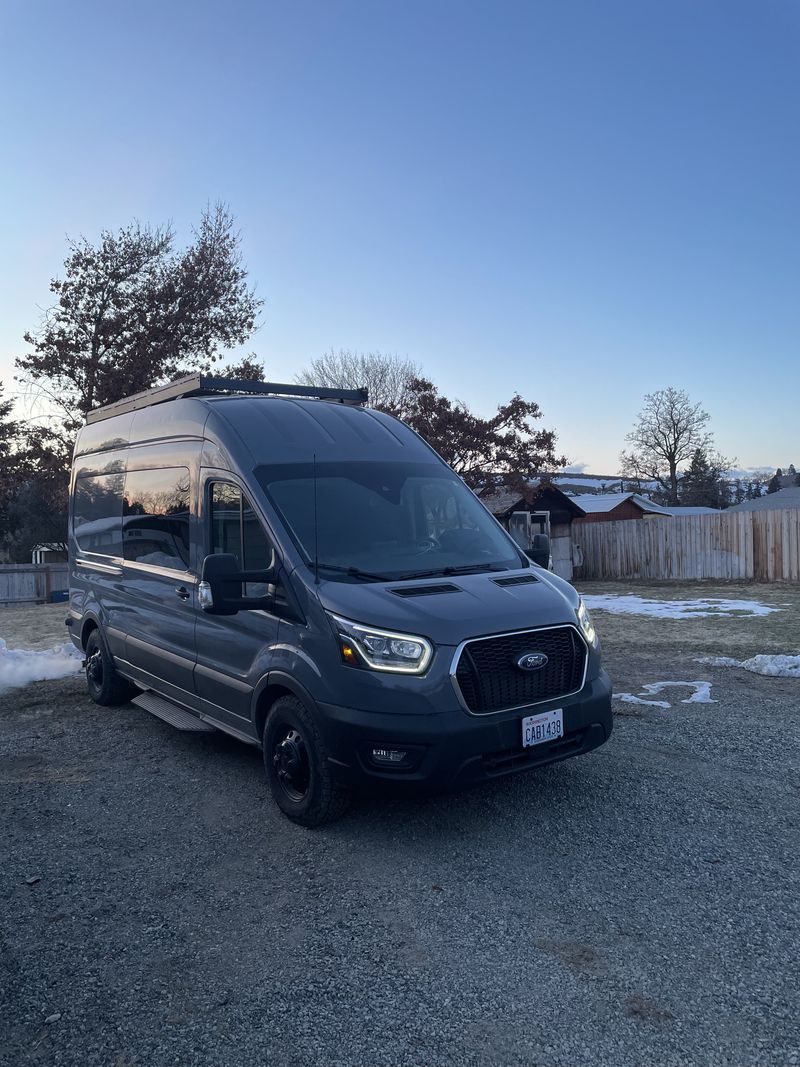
column 586, row 625
column 382, row 650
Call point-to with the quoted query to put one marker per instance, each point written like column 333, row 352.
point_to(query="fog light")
column 388, row 755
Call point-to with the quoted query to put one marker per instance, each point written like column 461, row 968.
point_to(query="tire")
column 297, row 768
column 105, row 686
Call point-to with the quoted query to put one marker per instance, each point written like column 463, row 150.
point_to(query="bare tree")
column 668, row 431
column 386, row 378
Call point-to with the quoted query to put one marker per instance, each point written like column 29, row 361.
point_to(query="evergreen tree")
column 702, row 484
column 775, row 481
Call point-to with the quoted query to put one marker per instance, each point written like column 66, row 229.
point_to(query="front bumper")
column 454, row 749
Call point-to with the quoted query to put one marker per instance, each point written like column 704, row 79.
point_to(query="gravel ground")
column 637, row 906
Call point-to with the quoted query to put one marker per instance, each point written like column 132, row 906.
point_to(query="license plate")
column 548, row 726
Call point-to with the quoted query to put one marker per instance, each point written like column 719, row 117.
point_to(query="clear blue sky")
column 579, row 201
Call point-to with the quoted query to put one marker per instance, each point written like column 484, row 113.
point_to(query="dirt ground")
column 635, row 906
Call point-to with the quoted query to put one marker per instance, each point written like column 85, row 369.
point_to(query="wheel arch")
column 275, row 685
column 89, row 624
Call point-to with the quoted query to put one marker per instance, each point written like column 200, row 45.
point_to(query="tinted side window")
column 97, row 513
column 256, row 549
column 155, row 523
column 226, row 519
column 235, row 528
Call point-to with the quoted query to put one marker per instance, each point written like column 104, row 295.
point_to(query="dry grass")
column 34, row 626
column 728, row 635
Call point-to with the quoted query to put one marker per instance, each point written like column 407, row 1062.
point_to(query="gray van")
column 286, row 565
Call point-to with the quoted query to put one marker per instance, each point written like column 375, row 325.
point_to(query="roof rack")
column 205, row 385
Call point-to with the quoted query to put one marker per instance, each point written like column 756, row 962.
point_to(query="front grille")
column 490, row 680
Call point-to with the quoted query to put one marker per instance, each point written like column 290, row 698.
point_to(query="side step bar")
column 171, row 713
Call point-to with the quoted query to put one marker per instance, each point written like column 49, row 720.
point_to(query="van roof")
column 253, row 429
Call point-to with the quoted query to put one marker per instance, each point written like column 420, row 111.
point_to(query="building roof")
column 501, row 501
column 602, row 503
column 692, row 511
column 784, row 498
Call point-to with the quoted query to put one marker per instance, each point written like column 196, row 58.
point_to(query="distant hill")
column 575, row 484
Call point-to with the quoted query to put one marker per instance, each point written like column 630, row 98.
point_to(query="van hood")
column 474, row 606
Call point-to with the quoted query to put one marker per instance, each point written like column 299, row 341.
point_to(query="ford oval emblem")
column 531, row 661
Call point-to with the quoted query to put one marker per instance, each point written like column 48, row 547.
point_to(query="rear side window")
column 97, row 513
column 235, row 528
column 155, row 517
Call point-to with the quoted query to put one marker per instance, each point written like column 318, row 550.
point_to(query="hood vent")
column 426, row 590
column 519, row 579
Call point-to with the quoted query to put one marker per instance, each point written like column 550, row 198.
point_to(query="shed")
column 540, row 507
column 49, row 552
column 612, row 507
column 537, row 497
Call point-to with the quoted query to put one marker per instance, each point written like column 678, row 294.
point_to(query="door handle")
column 182, row 592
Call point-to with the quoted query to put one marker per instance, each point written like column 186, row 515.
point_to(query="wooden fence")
column 29, row 583
column 761, row 546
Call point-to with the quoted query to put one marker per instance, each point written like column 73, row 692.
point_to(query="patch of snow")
column 700, row 608
column 19, row 667
column 629, row 698
column 701, row 694
column 775, row 666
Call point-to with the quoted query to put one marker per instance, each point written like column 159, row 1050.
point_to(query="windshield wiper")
column 471, row 568
column 354, row 572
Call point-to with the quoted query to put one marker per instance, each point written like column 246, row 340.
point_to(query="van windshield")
column 386, row 520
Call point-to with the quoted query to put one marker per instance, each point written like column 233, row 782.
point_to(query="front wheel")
column 105, row 686
column 297, row 768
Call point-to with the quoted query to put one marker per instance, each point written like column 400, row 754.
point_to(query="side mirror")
column 539, row 551
column 220, row 591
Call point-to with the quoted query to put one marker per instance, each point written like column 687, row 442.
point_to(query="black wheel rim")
column 94, row 670
column 291, row 763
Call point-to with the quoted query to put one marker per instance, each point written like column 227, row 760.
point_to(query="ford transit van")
column 288, row 566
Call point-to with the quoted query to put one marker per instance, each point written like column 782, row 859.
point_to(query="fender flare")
column 285, row 681
column 92, row 616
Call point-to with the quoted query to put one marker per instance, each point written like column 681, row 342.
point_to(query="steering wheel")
column 425, row 545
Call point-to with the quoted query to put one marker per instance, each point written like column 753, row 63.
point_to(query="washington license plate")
column 548, row 726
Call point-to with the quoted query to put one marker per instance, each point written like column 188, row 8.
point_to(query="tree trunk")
column 673, row 483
